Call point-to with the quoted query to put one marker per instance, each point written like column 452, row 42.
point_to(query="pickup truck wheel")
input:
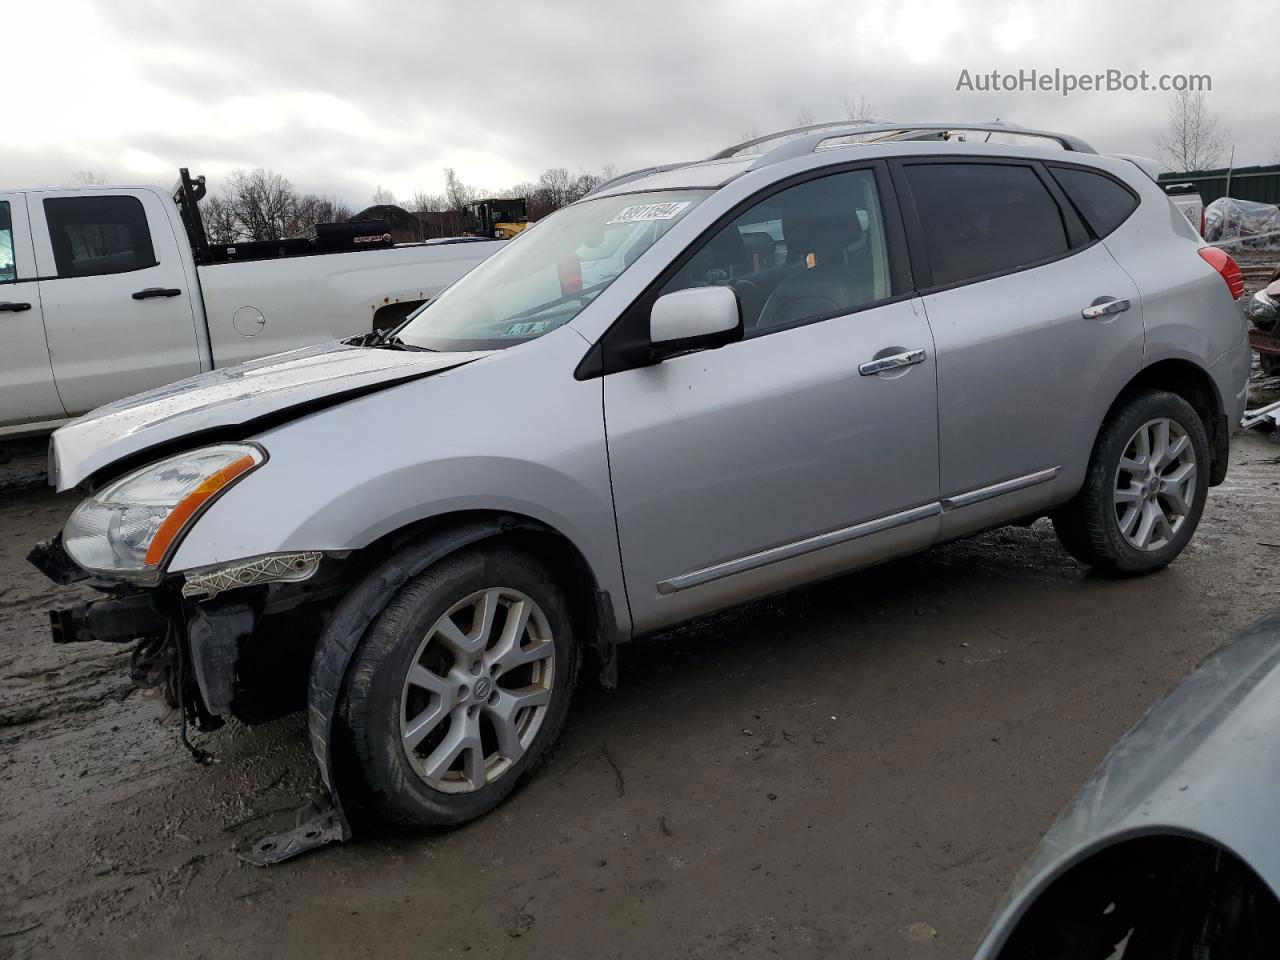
column 460, row 687
column 1145, row 488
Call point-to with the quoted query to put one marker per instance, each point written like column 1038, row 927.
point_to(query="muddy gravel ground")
column 858, row 767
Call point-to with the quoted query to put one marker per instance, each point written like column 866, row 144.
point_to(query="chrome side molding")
column 831, row 538
column 797, row 549
column 1000, row 489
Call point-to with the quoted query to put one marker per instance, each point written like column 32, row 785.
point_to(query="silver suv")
column 701, row 384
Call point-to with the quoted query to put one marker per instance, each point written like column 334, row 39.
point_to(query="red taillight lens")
column 1221, row 261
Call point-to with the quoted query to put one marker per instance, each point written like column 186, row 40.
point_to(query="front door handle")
column 1110, row 307
column 892, row 362
column 14, row 307
column 151, row 293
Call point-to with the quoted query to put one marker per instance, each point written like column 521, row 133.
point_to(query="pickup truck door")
column 27, row 393
column 116, row 294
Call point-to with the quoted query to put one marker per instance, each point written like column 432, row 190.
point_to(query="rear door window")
column 1102, row 202
column 8, row 267
column 92, row 236
column 983, row 219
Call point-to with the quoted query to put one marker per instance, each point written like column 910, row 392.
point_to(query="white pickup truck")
column 106, row 291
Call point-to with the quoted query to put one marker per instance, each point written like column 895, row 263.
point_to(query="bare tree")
column 219, row 221
column 863, row 111
column 263, row 205
column 556, row 188
column 1192, row 139
column 89, row 178
column 422, row 202
column 458, row 194
column 383, row 197
column 313, row 209
column 803, row 117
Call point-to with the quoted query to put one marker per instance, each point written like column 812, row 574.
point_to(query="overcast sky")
column 344, row 95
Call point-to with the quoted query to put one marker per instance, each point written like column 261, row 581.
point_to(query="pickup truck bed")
column 108, row 291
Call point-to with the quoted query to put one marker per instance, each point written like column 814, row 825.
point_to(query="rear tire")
column 1145, row 488
column 474, row 657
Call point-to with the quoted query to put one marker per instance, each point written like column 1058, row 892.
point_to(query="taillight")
column 1221, row 261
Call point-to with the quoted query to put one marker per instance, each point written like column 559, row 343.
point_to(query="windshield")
column 546, row 277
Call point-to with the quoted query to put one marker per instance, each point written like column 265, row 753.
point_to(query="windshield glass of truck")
column 547, row 276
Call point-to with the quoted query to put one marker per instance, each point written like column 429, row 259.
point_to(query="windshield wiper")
column 393, row 342
column 385, row 340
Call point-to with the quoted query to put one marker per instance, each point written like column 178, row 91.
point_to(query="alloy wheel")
column 477, row 690
column 1155, row 484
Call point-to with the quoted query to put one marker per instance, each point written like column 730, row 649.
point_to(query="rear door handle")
column 14, row 307
column 1096, row 310
column 151, row 293
column 892, row 362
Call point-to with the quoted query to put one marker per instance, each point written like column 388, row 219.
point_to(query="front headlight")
column 1263, row 307
column 128, row 528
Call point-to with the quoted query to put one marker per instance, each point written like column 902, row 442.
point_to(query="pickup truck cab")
column 106, row 291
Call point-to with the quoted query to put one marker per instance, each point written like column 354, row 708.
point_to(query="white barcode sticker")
column 649, row 211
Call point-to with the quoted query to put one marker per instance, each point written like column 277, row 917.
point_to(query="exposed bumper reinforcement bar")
column 116, row 620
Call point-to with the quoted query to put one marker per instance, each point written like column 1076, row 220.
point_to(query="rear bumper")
column 1231, row 374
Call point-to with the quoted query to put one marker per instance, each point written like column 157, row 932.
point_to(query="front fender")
column 344, row 477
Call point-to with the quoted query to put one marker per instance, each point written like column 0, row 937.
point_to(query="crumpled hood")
column 230, row 397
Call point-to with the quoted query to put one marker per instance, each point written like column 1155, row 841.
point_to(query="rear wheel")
column 460, row 687
column 1145, row 488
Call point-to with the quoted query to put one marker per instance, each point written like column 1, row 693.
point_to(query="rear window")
column 981, row 219
column 1102, row 202
column 97, row 235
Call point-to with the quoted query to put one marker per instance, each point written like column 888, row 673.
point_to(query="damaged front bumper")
column 232, row 641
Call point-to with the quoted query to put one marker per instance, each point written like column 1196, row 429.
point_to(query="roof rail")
column 810, row 138
column 636, row 175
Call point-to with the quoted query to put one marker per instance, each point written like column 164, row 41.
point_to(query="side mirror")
column 695, row 319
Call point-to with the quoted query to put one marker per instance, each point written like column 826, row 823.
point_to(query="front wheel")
column 1145, row 488
column 460, row 687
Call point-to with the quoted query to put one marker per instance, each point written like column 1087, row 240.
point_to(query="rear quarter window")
column 1103, row 203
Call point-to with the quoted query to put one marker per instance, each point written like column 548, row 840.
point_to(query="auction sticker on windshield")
column 649, row 211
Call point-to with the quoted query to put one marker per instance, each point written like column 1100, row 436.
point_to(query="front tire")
column 1145, row 488
column 460, row 687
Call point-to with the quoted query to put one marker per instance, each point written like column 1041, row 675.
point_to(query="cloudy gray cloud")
column 342, row 95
